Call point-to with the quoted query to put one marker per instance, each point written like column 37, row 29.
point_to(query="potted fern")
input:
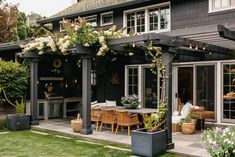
column 188, row 124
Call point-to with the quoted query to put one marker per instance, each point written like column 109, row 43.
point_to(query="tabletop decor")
column 130, row 102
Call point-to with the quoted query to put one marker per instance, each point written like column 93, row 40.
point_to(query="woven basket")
column 188, row 128
column 76, row 124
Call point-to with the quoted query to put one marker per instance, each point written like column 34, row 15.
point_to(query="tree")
column 22, row 29
column 8, row 22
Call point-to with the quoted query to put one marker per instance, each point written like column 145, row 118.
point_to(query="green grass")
column 27, row 144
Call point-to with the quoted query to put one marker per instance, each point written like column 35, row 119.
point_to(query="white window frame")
column 101, row 18
column 92, row 16
column 146, row 8
column 212, row 9
column 141, row 78
column 61, row 28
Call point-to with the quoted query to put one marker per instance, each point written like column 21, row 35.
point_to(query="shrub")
column 14, row 78
column 220, row 142
column 2, row 123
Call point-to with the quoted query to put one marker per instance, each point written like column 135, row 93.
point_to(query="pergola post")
column 34, row 90
column 86, row 95
column 167, row 61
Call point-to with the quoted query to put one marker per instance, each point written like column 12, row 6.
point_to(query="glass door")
column 185, row 85
column 205, row 87
column 150, row 89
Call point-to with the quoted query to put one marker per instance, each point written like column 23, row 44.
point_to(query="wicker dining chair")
column 124, row 118
column 108, row 116
column 96, row 116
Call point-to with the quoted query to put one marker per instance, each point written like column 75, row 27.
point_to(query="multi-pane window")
column 133, row 80
column 92, row 20
column 221, row 4
column 93, row 77
column 136, row 22
column 148, row 19
column 106, row 18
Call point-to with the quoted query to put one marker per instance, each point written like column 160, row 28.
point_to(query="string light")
column 203, row 48
column 210, row 53
column 196, row 48
column 133, row 45
column 131, row 54
column 75, row 80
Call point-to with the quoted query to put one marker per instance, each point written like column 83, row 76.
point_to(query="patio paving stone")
column 185, row 145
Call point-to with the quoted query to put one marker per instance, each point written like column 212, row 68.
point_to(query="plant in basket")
column 130, row 102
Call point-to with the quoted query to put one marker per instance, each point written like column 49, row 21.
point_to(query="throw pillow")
column 110, row 103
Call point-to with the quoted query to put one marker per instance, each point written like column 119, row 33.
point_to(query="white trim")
column 146, row 8
column 92, row 16
column 211, row 10
column 61, row 28
column 101, row 19
column 218, row 92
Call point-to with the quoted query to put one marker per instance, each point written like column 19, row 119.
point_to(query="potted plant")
column 130, row 102
column 18, row 121
column 152, row 136
column 188, row 124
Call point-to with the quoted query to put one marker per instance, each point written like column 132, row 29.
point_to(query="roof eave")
column 44, row 21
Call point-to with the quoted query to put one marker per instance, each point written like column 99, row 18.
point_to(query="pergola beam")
column 226, row 33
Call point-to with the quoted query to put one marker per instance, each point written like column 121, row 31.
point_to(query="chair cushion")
column 110, row 103
column 176, row 119
column 186, row 109
column 102, row 104
column 176, row 113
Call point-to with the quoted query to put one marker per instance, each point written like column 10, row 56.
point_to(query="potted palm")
column 18, row 121
column 188, row 124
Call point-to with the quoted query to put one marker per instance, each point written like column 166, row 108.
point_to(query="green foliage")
column 14, row 78
column 189, row 118
column 21, row 26
column 155, row 121
column 220, row 142
column 20, row 106
column 2, row 123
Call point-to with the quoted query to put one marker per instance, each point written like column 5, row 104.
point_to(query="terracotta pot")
column 188, row 128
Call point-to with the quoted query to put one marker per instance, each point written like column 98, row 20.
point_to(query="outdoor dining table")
column 137, row 110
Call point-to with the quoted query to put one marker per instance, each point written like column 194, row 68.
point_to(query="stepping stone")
column 89, row 142
column 64, row 137
column 38, row 132
column 3, row 133
column 118, row 148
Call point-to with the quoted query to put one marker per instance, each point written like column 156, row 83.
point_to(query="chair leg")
column 117, row 129
column 138, row 126
column 129, row 130
column 100, row 126
column 97, row 126
column 122, row 129
column 112, row 128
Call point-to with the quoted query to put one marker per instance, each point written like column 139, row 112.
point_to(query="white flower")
column 86, row 45
column 101, row 39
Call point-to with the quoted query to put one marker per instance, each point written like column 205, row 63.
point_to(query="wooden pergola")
column 170, row 45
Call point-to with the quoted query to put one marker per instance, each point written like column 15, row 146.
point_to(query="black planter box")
column 17, row 122
column 148, row 144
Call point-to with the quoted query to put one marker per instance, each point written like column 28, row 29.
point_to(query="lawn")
column 28, row 144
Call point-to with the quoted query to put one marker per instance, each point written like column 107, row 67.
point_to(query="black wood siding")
column 195, row 13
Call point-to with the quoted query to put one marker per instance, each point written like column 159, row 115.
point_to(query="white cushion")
column 94, row 106
column 102, row 104
column 176, row 113
column 110, row 103
column 186, row 109
column 94, row 102
column 176, row 119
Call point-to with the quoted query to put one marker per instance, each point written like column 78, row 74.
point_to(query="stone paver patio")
column 185, row 145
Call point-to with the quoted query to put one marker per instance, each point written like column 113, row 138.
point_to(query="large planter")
column 29, row 55
column 17, row 122
column 148, row 144
column 82, row 50
column 188, row 128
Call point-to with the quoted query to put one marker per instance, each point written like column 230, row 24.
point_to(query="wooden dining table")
column 137, row 110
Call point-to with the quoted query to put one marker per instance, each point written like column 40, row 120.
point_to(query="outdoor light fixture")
column 190, row 46
column 131, row 54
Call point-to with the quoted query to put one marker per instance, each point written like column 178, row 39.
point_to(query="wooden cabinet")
column 71, row 107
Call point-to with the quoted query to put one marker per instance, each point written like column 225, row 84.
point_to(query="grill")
column 55, row 107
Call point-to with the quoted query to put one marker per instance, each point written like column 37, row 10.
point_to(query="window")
column 147, row 19
column 106, row 18
column 92, row 20
column 62, row 28
column 93, row 77
column 132, row 80
column 217, row 5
